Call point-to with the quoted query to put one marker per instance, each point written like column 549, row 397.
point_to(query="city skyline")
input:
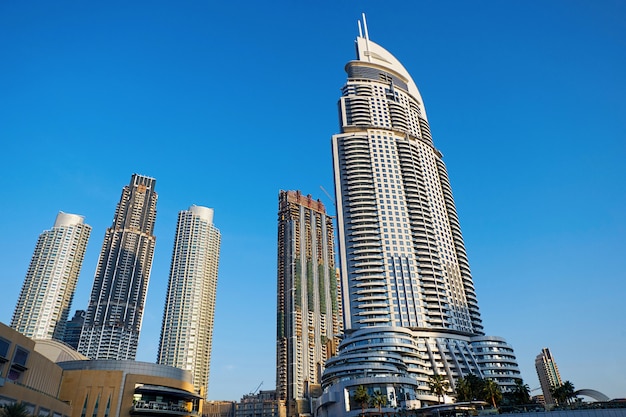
column 524, row 101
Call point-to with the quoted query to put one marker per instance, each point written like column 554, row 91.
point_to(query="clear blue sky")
column 226, row 103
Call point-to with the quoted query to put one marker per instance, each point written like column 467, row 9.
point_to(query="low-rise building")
column 263, row 404
column 108, row 388
column 29, row 377
column 218, row 409
column 53, row 380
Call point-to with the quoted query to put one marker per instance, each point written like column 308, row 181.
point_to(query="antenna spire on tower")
column 367, row 37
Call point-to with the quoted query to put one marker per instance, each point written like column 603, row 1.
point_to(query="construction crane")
column 332, row 200
column 257, row 389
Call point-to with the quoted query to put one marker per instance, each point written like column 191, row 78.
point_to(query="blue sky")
column 225, row 104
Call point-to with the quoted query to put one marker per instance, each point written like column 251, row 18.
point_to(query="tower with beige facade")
column 118, row 296
column 548, row 374
column 308, row 304
column 187, row 330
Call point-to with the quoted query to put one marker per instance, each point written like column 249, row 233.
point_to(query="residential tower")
column 548, row 374
column 46, row 297
column 187, row 330
column 308, row 306
column 409, row 302
column 118, row 296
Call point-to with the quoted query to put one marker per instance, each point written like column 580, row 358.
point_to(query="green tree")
column 361, row 397
column 521, row 392
column 563, row 394
column 568, row 387
column 477, row 385
column 469, row 388
column 438, row 385
column 492, row 392
column 519, row 395
column 557, row 394
column 463, row 390
column 379, row 400
column 14, row 410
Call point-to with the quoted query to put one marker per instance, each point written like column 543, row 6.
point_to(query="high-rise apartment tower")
column 308, row 305
column 44, row 303
column 113, row 320
column 548, row 374
column 187, row 330
column 410, row 308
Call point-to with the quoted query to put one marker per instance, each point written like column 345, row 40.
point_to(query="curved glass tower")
column 402, row 258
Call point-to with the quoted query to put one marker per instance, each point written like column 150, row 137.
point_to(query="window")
column 4, row 348
column 20, row 357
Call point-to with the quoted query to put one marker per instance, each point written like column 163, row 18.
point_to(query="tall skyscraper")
column 187, row 330
column 308, row 306
column 548, row 374
column 44, row 303
column 118, row 295
column 410, row 308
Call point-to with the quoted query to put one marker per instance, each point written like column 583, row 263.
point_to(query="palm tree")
column 379, row 400
column 438, row 385
column 14, row 410
column 563, row 393
column 477, row 385
column 557, row 394
column 521, row 392
column 361, row 397
column 492, row 392
column 469, row 388
column 568, row 391
column 463, row 390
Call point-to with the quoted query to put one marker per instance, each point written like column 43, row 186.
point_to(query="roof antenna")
column 360, row 31
column 367, row 38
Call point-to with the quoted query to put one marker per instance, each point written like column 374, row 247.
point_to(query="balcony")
column 153, row 400
column 158, row 408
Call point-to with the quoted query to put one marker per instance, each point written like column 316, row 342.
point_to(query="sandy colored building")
column 261, row 404
column 53, row 380
column 28, row 376
column 548, row 374
column 218, row 409
column 106, row 388
column 308, row 321
column 118, row 296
